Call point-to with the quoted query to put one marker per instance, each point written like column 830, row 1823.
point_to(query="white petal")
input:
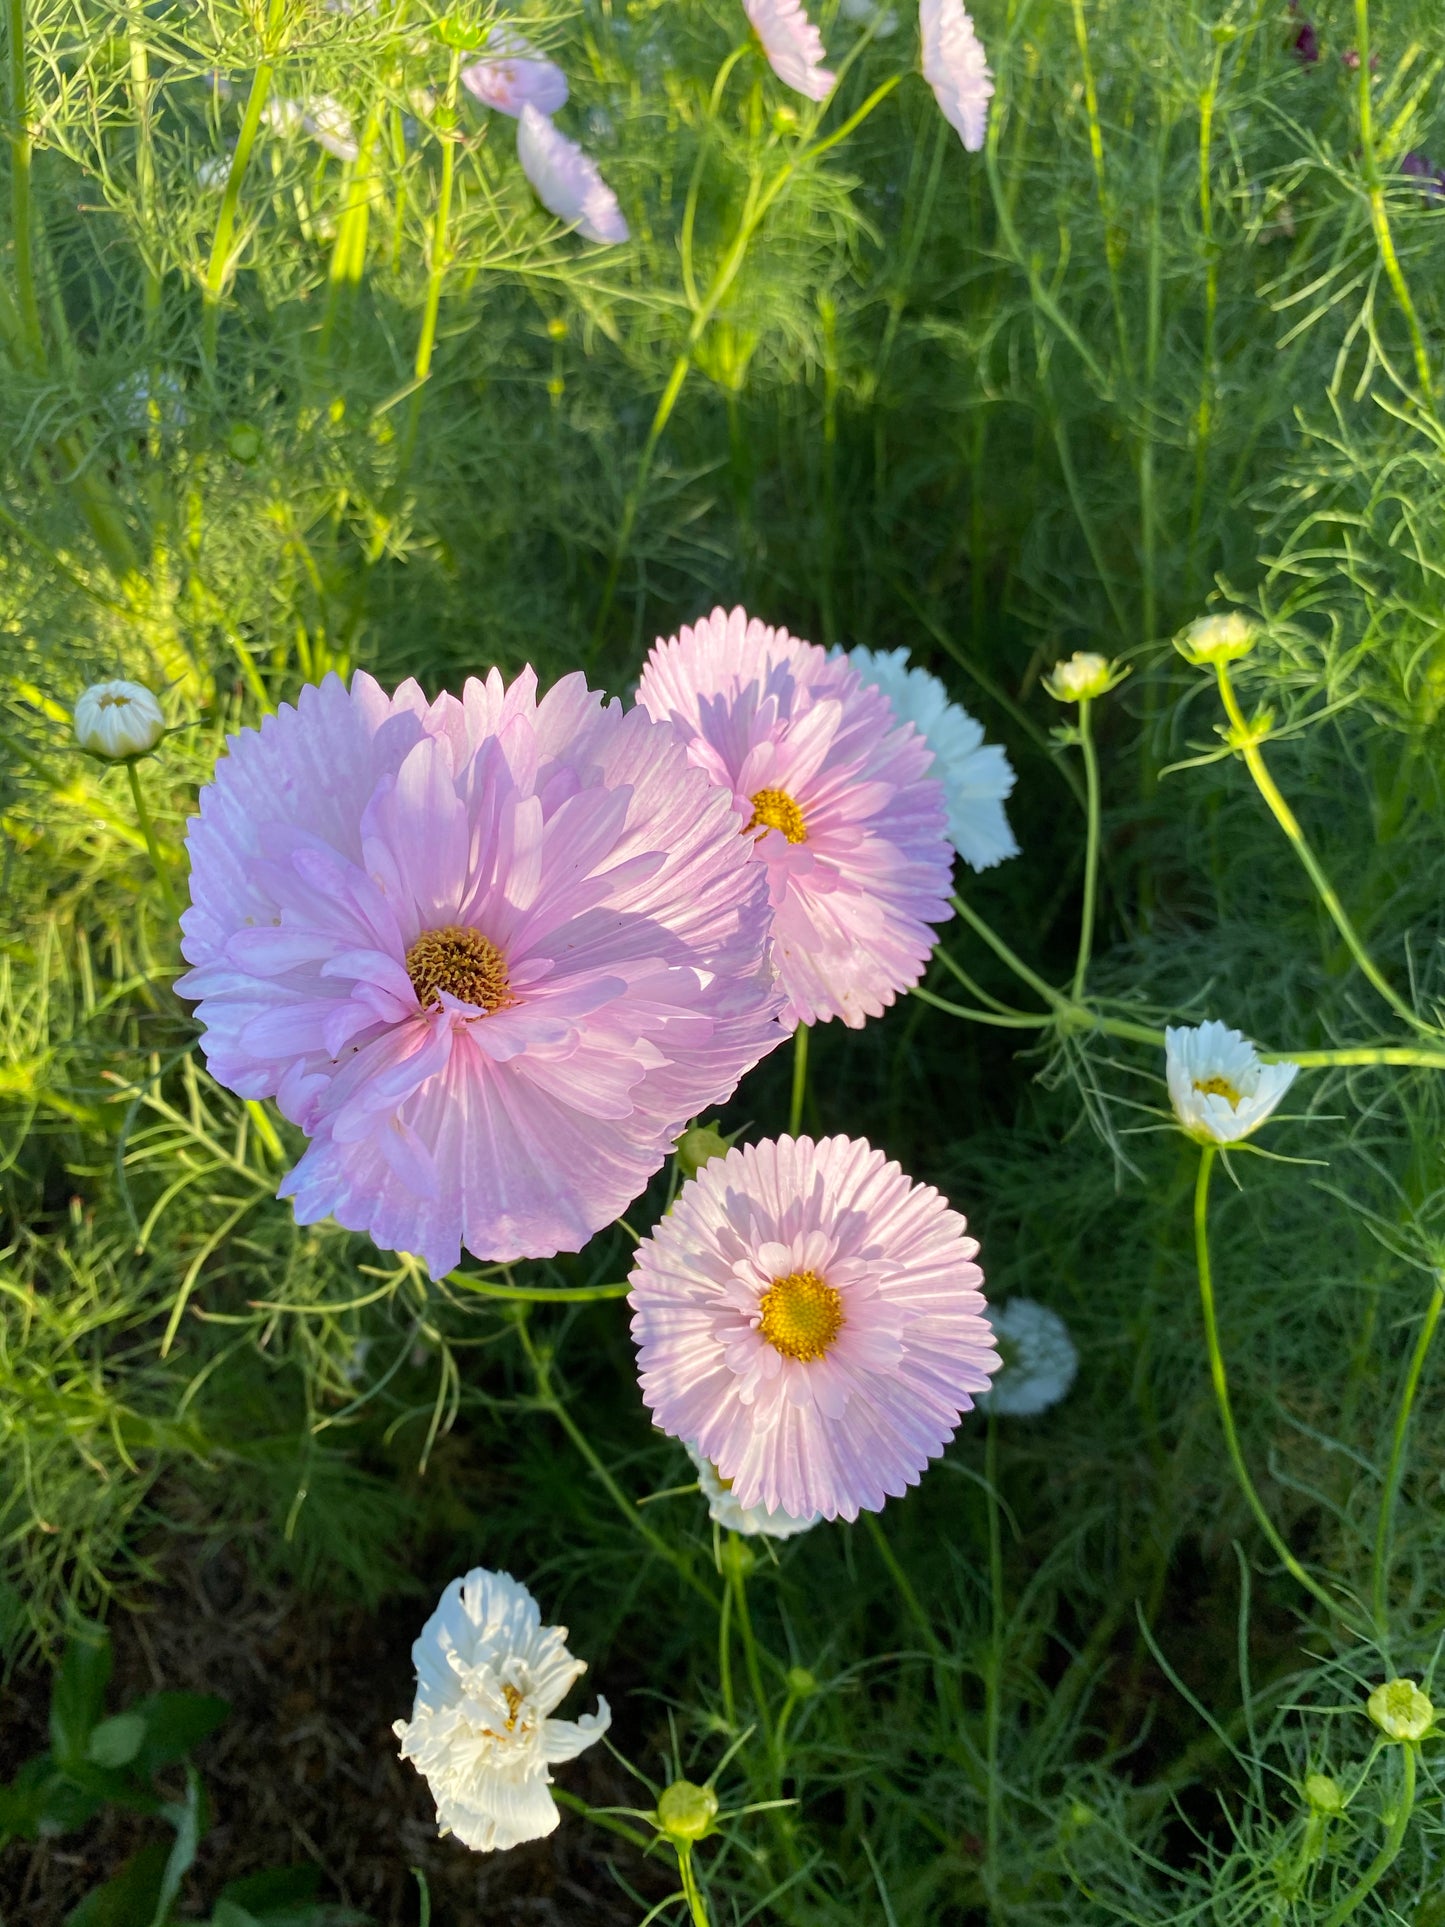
column 566, row 180
column 956, row 68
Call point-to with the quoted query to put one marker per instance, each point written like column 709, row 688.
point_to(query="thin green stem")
column 725, row 1658
column 737, row 1554
column 438, row 260
column 691, row 1890
column 536, row 1294
column 993, row 1683
column 1204, row 409
column 1221, row 1389
column 1054, row 998
column 1242, row 737
column 1395, row 1470
column 1091, row 847
column 1379, row 213
column 220, row 264
column 1390, row 1847
column 548, row 1399
column 993, row 1017
column 800, row 1079
column 153, row 848
column 21, row 150
column 608, row 1821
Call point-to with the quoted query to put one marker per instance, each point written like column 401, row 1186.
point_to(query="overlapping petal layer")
column 849, row 1414
column 568, row 842
column 862, row 865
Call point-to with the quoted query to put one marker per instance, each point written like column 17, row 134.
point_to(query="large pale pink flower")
column 812, row 1321
column 956, row 68
column 793, row 45
column 513, row 75
column 836, row 796
column 566, row 181
column 491, row 954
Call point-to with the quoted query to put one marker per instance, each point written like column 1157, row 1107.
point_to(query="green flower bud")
column 1218, row 639
column 686, row 1812
column 1401, row 1710
column 698, row 1146
column 801, row 1683
column 1083, row 677
column 244, row 441
column 1324, row 1793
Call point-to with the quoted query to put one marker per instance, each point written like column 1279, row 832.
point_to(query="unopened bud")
column 686, row 1811
column 1083, row 677
column 118, row 721
column 698, row 1146
column 1324, row 1793
column 1401, row 1710
column 1218, row 639
column 801, row 1683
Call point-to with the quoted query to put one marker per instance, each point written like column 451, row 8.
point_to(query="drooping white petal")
column 513, row 75
column 566, row 180
column 976, row 776
column 793, row 45
column 956, row 68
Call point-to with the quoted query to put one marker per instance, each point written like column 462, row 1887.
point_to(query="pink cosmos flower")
column 490, row 954
column 834, row 793
column 566, row 180
column 956, row 68
column 793, row 45
column 811, row 1319
column 514, row 75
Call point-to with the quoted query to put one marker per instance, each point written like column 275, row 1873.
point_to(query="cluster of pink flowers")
column 492, row 953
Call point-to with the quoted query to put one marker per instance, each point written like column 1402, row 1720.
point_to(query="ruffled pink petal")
column 566, row 180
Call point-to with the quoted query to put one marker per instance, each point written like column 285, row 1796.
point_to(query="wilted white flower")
column 753, row 1521
column 1040, row 1361
column 280, row 115
column 976, row 775
column 1220, row 1090
column 566, row 180
column 514, row 75
column 956, row 68
column 862, row 11
column 1218, row 639
column 329, row 125
column 488, row 1674
column 1083, row 677
column 793, row 45
column 118, row 720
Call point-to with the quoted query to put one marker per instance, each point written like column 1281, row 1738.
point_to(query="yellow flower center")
column 802, row 1315
column 514, row 1703
column 1217, row 1086
column 461, row 962
column 111, row 701
column 776, row 810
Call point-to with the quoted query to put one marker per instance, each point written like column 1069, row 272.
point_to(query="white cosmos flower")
column 329, row 125
column 280, row 115
column 1220, row 1090
column 214, row 171
column 1040, row 1360
column 956, row 68
column 793, row 45
column 118, row 720
column 566, row 180
column 488, row 1674
column 514, row 74
column 976, row 775
column 752, row 1521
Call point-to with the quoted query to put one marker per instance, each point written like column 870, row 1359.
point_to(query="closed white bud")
column 118, row 721
column 1218, row 639
column 1083, row 677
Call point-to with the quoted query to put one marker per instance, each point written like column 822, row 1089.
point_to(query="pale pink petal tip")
column 513, row 75
column 566, row 180
column 956, row 68
column 839, row 800
column 793, row 45
column 812, row 1322
column 489, row 953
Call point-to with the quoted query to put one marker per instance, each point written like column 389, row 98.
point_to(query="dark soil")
column 306, row 1769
